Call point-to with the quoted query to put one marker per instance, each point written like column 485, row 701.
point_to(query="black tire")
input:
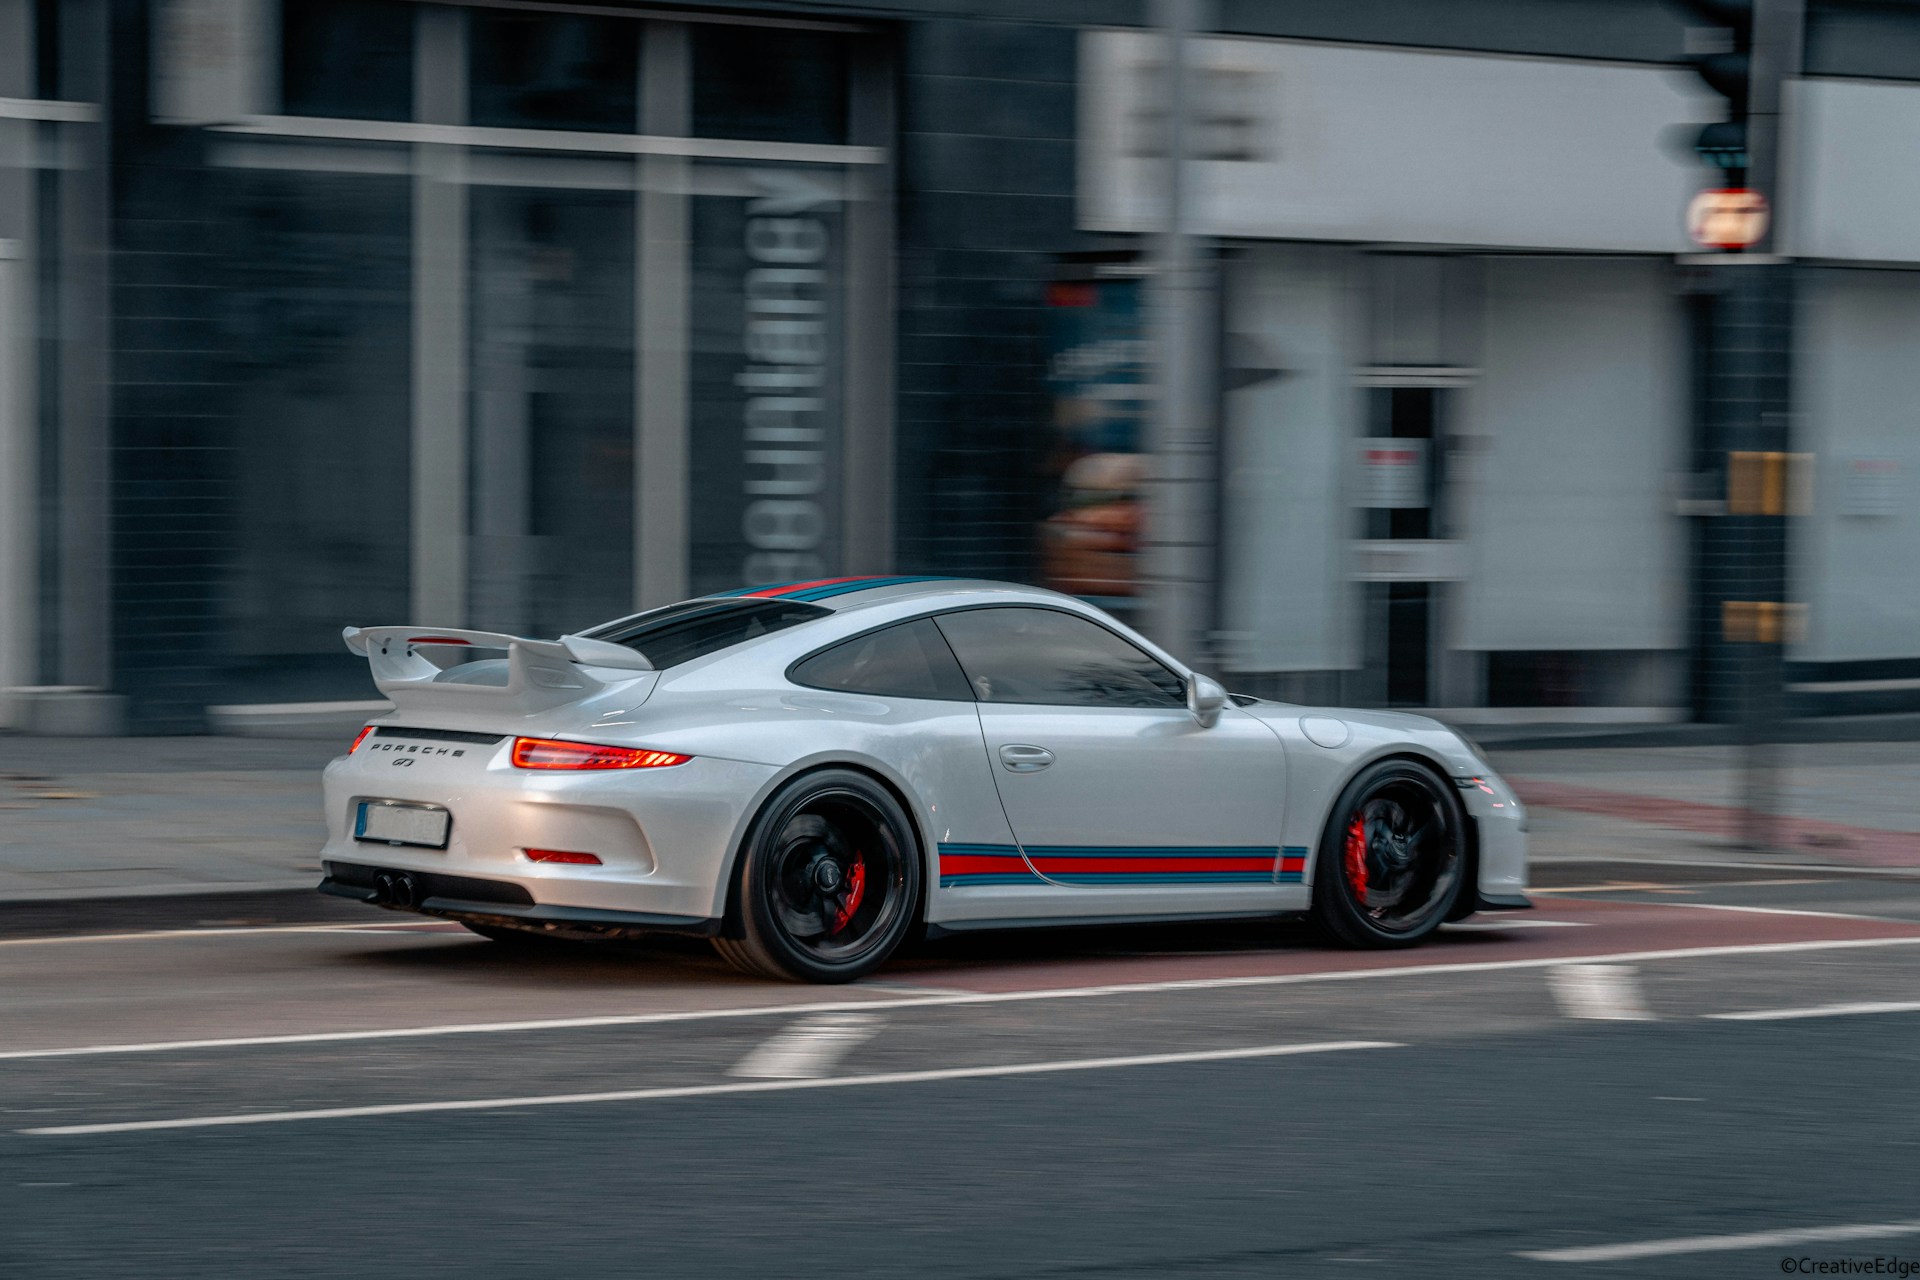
column 1392, row 861
column 829, row 882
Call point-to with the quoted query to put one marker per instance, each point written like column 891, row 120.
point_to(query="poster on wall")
column 1089, row 544
column 766, row 364
column 1871, row 487
column 1392, row 474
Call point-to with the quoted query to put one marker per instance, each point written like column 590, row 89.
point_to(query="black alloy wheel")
column 1393, row 858
column 829, row 884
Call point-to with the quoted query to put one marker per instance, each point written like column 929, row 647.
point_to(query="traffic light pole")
column 1747, row 445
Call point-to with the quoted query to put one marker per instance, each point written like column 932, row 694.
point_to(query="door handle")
column 1019, row 758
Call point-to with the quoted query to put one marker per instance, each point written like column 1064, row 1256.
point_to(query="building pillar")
column 867, row 440
column 662, row 264
column 440, row 385
column 83, row 649
column 19, row 415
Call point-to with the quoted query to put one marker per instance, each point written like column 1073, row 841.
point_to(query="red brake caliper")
column 856, row 890
column 1356, row 858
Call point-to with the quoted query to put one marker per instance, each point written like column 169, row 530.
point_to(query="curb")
column 1808, row 731
column 174, row 908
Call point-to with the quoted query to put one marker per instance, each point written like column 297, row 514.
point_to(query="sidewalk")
column 103, row 817
column 1842, row 804
column 231, row 819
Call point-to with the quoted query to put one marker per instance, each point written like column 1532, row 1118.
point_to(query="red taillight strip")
column 563, row 856
column 436, row 640
column 552, row 753
column 359, row 738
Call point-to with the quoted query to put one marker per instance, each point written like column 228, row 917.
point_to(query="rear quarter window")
column 682, row 632
column 906, row 660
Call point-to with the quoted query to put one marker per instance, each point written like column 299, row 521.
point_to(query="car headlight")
column 1473, row 749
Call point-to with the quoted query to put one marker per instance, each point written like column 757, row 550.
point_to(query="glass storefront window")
column 767, row 344
column 770, row 84
column 553, row 71
column 348, row 59
column 320, row 323
column 551, row 295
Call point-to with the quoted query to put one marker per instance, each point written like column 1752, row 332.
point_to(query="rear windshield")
column 682, row 632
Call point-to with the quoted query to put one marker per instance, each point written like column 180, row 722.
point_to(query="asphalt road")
column 1661, row 1072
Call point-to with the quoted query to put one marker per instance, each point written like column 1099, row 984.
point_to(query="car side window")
column 1045, row 656
column 907, row 660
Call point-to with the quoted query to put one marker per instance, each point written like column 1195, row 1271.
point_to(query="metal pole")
column 1176, row 549
column 1756, row 342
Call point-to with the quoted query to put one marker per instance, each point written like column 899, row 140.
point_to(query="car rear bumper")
column 503, row 901
column 664, row 837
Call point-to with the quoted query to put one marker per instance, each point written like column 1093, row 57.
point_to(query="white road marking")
column 808, row 1048
column 1820, row 1011
column 1724, row 1244
column 1504, row 926
column 1604, row 992
column 715, row 1090
column 1621, row 886
column 1780, row 911
column 67, row 939
column 935, row 1001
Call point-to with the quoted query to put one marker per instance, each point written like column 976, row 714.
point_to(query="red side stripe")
column 804, row 586
column 1293, row 863
column 1095, row 866
column 973, row 864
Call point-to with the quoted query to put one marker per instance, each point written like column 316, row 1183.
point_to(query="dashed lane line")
column 1601, row 992
column 718, row 1090
column 1724, row 1244
column 1820, row 1011
column 809, row 1048
column 966, row 998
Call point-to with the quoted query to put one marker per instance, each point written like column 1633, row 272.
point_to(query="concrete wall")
column 1580, row 418
column 1286, row 602
column 1858, row 384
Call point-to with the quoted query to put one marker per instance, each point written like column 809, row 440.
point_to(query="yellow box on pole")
column 1762, row 621
column 1769, row 483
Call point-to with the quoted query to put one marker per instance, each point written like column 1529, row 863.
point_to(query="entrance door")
column 1109, row 783
column 1403, row 486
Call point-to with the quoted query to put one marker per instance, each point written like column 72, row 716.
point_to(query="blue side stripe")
column 845, row 588
column 1163, row 877
column 1151, row 851
column 831, row 589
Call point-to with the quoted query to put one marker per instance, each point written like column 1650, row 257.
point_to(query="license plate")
column 396, row 823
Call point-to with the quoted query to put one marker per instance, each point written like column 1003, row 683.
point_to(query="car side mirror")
column 1206, row 699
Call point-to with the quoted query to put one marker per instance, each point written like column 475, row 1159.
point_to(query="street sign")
column 1727, row 218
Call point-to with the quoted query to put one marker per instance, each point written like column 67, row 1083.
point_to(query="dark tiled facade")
column 986, row 181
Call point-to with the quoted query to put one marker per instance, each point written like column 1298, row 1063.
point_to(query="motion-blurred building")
column 316, row 312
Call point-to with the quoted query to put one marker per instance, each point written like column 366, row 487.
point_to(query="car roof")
column 844, row 595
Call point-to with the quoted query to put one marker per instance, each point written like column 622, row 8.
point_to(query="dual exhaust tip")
column 395, row 889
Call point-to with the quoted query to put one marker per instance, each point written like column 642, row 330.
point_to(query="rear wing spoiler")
column 540, row 673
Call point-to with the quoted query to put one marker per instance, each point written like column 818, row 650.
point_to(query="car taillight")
column 359, row 738
column 563, row 855
column 551, row 753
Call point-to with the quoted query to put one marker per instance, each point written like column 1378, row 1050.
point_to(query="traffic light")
column 1727, row 69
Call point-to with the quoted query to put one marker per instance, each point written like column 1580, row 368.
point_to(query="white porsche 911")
column 809, row 773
